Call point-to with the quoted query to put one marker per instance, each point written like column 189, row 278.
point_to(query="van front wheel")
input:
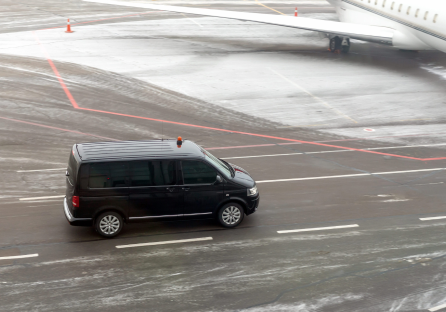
column 231, row 215
column 109, row 224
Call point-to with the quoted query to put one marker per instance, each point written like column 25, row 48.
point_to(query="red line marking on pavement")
column 76, row 106
column 55, row 128
column 56, row 72
column 244, row 146
column 101, row 20
column 247, row 133
column 343, row 140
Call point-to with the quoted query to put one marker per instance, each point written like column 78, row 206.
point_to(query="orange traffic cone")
column 295, row 12
column 68, row 27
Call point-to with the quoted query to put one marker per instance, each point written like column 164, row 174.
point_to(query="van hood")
column 242, row 177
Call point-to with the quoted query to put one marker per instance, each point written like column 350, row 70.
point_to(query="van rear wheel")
column 109, row 224
column 231, row 215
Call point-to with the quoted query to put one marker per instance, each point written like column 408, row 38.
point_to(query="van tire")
column 231, row 215
column 109, row 224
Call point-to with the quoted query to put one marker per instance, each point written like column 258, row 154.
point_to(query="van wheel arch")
column 106, row 209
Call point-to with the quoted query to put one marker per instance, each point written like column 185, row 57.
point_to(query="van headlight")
column 253, row 191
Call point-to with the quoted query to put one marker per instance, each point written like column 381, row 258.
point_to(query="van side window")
column 140, row 173
column 118, row 174
column 99, row 176
column 153, row 173
column 197, row 172
column 163, row 172
column 83, row 174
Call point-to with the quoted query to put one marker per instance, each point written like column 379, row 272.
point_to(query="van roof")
column 133, row 150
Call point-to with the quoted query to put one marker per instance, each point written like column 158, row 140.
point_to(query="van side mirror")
column 219, row 180
column 67, row 174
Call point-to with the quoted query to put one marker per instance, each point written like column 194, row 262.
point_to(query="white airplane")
column 404, row 24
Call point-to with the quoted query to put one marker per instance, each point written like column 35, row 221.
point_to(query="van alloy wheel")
column 109, row 224
column 231, row 215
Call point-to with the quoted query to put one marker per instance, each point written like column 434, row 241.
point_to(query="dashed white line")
column 19, row 257
column 437, row 308
column 433, row 218
column 320, row 229
column 40, row 198
column 273, row 155
column 350, row 175
column 55, row 169
column 167, row 242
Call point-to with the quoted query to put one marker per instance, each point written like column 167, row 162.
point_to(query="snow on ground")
column 279, row 74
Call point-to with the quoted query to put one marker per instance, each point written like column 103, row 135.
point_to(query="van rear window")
column 72, row 169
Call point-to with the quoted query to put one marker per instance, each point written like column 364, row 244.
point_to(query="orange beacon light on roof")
column 179, row 142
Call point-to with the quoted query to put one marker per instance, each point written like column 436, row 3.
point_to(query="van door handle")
column 170, row 189
column 186, row 189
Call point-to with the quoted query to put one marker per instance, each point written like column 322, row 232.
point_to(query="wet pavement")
column 350, row 141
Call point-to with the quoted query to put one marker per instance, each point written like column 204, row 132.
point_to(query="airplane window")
column 416, row 13
column 435, row 18
column 408, row 10
column 425, row 15
column 399, row 9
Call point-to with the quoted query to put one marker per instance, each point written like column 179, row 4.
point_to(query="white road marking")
column 350, row 175
column 313, row 96
column 320, row 229
column 438, row 308
column 192, row 20
column 167, row 242
column 336, row 151
column 431, row 183
column 56, row 169
column 273, row 155
column 43, row 197
column 19, row 257
column 433, row 218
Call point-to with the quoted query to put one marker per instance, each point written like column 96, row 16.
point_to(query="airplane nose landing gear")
column 338, row 45
column 345, row 45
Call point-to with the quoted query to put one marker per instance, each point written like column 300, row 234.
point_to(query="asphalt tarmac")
column 348, row 152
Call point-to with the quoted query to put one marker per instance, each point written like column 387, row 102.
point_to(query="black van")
column 109, row 183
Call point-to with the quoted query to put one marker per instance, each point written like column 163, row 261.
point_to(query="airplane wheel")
column 346, row 47
column 335, row 44
column 332, row 44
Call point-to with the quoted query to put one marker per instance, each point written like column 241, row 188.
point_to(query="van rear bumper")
column 72, row 220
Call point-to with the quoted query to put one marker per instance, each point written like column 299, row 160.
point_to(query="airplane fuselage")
column 419, row 25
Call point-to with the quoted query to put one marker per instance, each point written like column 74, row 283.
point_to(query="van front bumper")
column 72, row 220
column 253, row 205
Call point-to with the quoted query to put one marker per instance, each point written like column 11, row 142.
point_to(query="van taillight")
column 75, row 201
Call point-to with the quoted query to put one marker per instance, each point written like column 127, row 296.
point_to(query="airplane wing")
column 376, row 34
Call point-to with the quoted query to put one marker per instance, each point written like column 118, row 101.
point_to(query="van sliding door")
column 153, row 190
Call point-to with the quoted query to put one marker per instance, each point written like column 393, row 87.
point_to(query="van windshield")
column 218, row 163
